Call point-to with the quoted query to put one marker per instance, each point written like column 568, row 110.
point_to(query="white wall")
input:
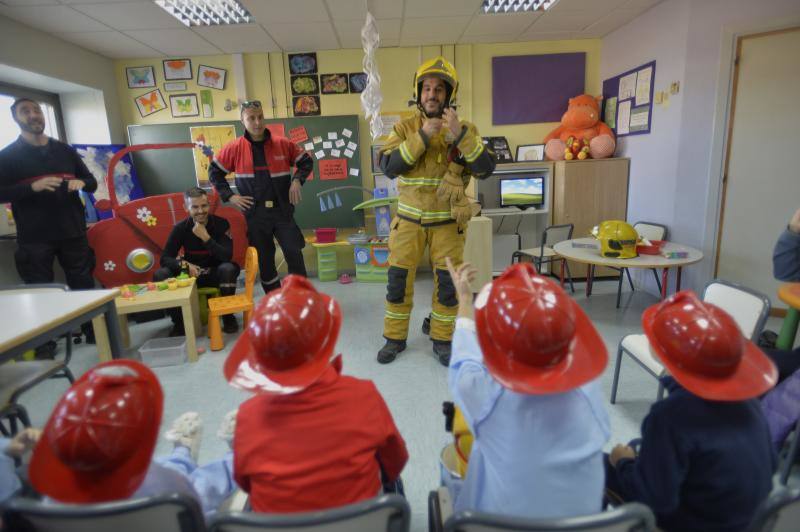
column 659, row 34
column 31, row 50
column 676, row 170
column 85, row 119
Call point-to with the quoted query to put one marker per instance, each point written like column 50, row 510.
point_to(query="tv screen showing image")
column 522, row 192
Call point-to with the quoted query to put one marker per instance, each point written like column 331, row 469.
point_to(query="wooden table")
column 185, row 298
column 32, row 318
column 592, row 258
column 789, row 293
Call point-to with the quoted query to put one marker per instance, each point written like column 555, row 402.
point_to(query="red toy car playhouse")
column 128, row 246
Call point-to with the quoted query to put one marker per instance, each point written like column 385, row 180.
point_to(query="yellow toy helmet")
column 441, row 68
column 617, row 239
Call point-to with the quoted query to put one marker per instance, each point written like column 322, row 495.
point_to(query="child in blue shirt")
column 523, row 372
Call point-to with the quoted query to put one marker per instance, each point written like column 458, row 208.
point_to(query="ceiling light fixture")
column 492, row 7
column 206, row 12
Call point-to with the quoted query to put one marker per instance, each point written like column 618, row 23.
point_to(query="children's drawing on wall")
column 150, row 102
column 211, row 77
column 140, row 77
column 213, row 137
column 126, row 185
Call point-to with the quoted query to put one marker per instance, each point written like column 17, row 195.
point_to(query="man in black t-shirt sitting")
column 207, row 254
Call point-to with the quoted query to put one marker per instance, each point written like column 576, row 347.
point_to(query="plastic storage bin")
column 654, row 249
column 325, row 235
column 159, row 352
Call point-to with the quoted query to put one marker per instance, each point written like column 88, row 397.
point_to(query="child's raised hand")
column 462, row 276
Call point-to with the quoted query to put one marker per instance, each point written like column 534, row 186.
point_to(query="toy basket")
column 653, row 249
column 325, row 235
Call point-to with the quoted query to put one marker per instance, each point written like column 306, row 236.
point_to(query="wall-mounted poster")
column 211, row 77
column 358, row 81
column 207, row 103
column 305, row 85
column 183, row 105
column 214, row 137
column 140, row 77
column 333, row 83
column 306, row 106
column 177, row 69
column 628, row 100
column 302, row 63
column 150, row 102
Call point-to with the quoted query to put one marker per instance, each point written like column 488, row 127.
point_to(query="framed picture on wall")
column 211, row 77
column 150, row 102
column 303, row 63
column 306, row 106
column 530, row 152
column 140, row 77
column 183, row 105
column 177, row 69
column 333, row 83
column 358, row 81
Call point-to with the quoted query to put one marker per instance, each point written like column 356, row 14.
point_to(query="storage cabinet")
column 587, row 192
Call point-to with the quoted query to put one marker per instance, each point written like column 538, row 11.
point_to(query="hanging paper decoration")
column 338, row 199
column 322, row 205
column 371, row 98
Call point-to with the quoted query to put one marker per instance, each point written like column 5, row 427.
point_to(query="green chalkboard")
column 163, row 171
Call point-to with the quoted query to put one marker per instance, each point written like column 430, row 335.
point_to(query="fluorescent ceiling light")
column 206, row 12
column 492, row 7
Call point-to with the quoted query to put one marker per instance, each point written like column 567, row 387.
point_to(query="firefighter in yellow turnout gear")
column 433, row 155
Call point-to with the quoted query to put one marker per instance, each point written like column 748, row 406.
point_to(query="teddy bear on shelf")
column 581, row 133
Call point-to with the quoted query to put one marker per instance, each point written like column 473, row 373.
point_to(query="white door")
column 763, row 186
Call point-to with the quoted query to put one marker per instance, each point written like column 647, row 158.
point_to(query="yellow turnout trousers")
column 407, row 243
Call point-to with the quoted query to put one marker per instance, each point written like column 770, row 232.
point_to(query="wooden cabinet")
column 587, row 192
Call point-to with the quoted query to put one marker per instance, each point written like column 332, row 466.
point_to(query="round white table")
column 587, row 251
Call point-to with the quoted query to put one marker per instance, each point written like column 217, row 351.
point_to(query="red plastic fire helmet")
column 703, row 348
column 534, row 337
column 99, row 440
column 289, row 340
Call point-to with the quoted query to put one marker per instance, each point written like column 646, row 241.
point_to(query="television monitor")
column 522, row 192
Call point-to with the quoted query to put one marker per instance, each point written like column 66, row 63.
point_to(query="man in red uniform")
column 267, row 192
column 312, row 438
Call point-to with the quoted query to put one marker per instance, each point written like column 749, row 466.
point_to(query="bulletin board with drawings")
column 628, row 101
column 332, row 142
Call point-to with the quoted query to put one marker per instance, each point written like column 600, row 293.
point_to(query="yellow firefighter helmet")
column 441, row 68
column 618, row 239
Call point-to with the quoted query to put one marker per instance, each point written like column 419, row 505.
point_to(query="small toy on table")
column 675, row 254
column 172, row 283
column 151, row 286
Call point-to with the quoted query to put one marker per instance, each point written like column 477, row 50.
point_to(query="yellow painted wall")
column 267, row 79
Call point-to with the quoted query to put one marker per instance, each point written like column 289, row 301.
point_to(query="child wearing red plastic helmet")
column 705, row 461
column 310, row 438
column 523, row 374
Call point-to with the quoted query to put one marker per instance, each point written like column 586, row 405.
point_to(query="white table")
column 32, row 318
column 591, row 256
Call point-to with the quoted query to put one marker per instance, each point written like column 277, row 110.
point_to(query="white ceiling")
column 139, row 28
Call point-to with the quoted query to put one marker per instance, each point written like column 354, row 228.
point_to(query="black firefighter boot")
column 442, row 350
column 390, row 350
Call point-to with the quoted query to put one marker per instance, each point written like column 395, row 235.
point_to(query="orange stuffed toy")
column 580, row 126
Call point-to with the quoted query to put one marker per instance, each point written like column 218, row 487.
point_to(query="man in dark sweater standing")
column 706, row 459
column 207, row 254
column 41, row 178
column 267, row 191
